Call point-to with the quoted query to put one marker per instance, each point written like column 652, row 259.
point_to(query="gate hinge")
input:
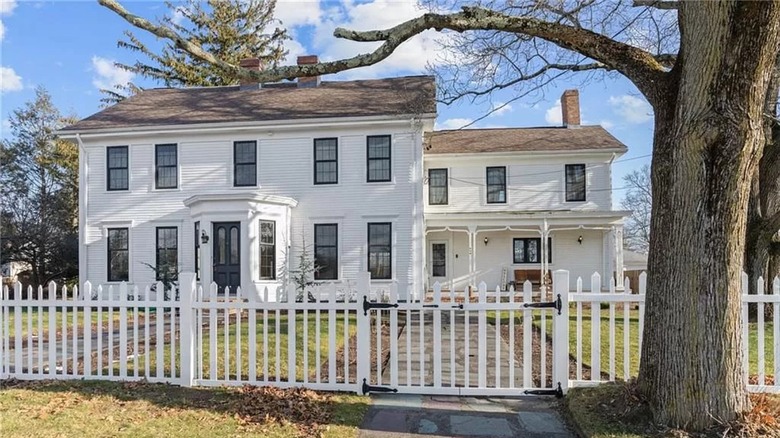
column 556, row 304
column 558, row 393
column 368, row 388
column 368, row 305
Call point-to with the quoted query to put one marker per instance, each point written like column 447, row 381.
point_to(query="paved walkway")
column 453, row 331
column 414, row 416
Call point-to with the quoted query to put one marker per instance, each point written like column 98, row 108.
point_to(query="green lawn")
column 44, row 316
column 100, row 409
column 633, row 329
column 233, row 363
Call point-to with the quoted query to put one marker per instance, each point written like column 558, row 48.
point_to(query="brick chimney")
column 312, row 81
column 250, row 64
column 570, row 107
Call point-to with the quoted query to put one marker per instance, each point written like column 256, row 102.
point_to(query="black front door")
column 227, row 255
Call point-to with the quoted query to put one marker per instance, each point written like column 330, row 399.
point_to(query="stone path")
column 410, row 373
column 415, row 416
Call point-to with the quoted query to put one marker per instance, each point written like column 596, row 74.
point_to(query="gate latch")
column 368, row 305
column 556, row 304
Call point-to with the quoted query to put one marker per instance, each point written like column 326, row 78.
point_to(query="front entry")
column 227, row 255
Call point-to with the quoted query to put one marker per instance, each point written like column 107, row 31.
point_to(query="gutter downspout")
column 83, row 211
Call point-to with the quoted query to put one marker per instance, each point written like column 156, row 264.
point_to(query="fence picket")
column 147, row 335
column 776, row 329
column 761, row 351
column 159, row 325
column 6, row 333
column 52, row 330
column 512, row 383
column 612, row 346
column 135, row 331
column 394, row 337
column 239, row 315
column 527, row 337
column 265, row 334
column 482, row 348
column 17, row 303
column 579, row 331
column 39, row 333
column 332, row 336
column 745, row 333
column 30, row 329
column 437, row 336
column 74, row 302
column 626, row 332
column 642, row 292
column 497, row 348
column 290, row 342
column 252, row 330
column 123, row 330
column 595, row 329
column 212, row 331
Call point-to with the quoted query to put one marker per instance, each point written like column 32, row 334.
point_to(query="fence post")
column 363, row 332
column 187, row 326
column 560, row 372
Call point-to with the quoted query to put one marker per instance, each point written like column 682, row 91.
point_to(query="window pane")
column 575, row 182
column 379, row 170
column 221, row 239
column 437, row 186
column 326, row 172
column 245, row 152
column 246, row 175
column 326, row 260
column 379, row 250
column 496, row 184
column 166, row 177
column 117, row 156
column 519, row 256
column 379, row 147
column 325, row 149
column 233, row 245
column 439, row 259
column 325, row 234
column 166, row 154
column 267, row 232
column 118, row 254
column 533, row 251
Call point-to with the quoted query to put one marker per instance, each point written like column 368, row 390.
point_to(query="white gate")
column 493, row 344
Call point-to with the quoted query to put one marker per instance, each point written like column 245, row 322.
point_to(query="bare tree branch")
column 637, row 64
column 658, row 4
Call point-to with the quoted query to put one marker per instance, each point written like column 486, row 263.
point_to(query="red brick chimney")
column 570, row 107
column 250, row 64
column 312, row 81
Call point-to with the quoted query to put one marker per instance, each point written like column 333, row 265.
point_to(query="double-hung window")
column 575, row 183
column 267, row 250
column 166, row 174
column 529, row 250
column 326, row 251
column 496, row 185
column 118, row 254
column 167, row 253
column 244, row 163
column 437, row 187
column 117, row 164
column 326, row 161
column 380, row 252
column 378, row 158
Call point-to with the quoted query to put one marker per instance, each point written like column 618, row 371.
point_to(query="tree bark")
column 708, row 141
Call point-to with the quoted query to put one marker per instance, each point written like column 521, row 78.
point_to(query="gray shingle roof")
column 284, row 101
column 522, row 140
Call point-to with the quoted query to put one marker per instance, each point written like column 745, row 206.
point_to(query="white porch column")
column 545, row 251
column 617, row 232
column 472, row 256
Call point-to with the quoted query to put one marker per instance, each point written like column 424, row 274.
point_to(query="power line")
column 508, row 187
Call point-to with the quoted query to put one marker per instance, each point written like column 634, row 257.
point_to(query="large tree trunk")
column 708, row 140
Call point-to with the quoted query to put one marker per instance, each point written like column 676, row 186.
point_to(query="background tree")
column 638, row 199
column 39, row 192
column 229, row 29
column 707, row 83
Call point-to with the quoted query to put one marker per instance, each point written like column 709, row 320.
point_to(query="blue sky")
column 69, row 47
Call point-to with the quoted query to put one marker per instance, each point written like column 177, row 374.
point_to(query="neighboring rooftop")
column 283, row 101
column 573, row 138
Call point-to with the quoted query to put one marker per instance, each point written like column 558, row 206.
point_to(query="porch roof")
column 527, row 218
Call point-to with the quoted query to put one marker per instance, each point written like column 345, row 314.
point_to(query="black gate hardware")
column 434, row 306
column 368, row 305
column 458, row 306
column 557, row 304
column 558, row 393
column 368, row 388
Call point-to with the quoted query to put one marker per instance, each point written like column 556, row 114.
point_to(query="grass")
column 633, row 329
column 232, row 362
column 100, row 409
column 44, row 314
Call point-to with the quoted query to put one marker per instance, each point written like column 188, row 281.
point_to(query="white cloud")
column 455, row 123
column 294, row 49
column 2, row 30
column 298, row 12
column 500, row 108
column 632, row 109
column 178, row 15
column 107, row 75
column 9, row 80
column 607, row 124
column 553, row 114
column 7, row 6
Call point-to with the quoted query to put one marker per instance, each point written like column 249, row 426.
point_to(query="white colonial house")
column 236, row 182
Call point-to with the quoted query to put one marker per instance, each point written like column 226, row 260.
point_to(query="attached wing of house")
column 510, row 205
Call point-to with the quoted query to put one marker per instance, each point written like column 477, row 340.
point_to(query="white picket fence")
column 201, row 337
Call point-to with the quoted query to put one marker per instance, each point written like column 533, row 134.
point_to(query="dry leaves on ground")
column 305, row 410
